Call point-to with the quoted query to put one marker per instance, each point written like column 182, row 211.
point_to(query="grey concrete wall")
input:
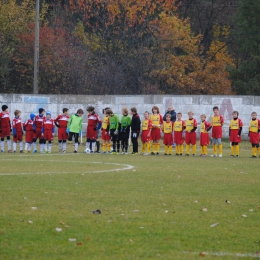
column 199, row 104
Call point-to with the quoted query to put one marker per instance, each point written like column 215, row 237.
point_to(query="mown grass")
column 153, row 211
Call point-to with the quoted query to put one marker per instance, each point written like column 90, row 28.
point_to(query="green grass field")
column 153, row 207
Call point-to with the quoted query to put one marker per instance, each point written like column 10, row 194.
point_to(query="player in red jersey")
column 17, row 130
column 28, row 128
column 37, row 129
column 5, row 128
column 61, row 122
column 48, row 128
column 94, row 123
column 204, row 136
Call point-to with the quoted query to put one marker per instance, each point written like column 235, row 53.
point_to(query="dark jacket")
column 173, row 115
column 136, row 123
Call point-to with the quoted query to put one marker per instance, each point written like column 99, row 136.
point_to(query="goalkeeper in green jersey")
column 113, row 126
column 125, row 130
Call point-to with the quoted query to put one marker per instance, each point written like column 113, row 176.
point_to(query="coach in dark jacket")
column 135, row 129
column 172, row 112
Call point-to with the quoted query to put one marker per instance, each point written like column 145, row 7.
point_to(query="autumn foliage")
column 121, row 47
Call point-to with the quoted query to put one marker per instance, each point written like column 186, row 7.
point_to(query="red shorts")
column 178, row 139
column 19, row 137
column 234, row 138
column 105, row 135
column 167, row 139
column 156, row 134
column 216, row 132
column 5, row 132
column 62, row 135
column 144, row 137
column 254, row 138
column 38, row 134
column 190, row 138
column 29, row 136
column 91, row 132
column 204, row 139
column 48, row 135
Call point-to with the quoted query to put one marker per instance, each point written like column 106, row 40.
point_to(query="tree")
column 245, row 76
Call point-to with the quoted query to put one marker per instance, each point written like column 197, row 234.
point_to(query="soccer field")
column 152, row 207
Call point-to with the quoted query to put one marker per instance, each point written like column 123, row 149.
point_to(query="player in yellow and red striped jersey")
column 217, row 122
column 157, row 121
column 167, row 129
column 235, row 129
column 204, row 136
column 190, row 134
column 178, row 128
column 254, row 129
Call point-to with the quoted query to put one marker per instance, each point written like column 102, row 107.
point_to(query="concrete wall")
column 199, row 104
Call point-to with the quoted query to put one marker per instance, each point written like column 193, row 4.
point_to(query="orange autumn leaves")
column 179, row 64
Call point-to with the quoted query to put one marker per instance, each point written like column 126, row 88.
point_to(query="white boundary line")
column 126, row 167
column 224, row 254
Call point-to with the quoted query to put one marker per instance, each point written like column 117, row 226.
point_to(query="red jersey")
column 62, row 120
column 28, row 125
column 17, row 125
column 38, row 121
column 4, row 120
column 93, row 120
column 48, row 124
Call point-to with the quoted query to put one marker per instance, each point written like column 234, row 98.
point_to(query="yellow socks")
column 158, row 148
column 108, row 147
column 178, row 149
column 153, row 147
column 254, row 151
column 182, row 149
column 187, row 149
column 170, row 149
column 194, row 147
column 143, row 147
column 215, row 149
column 220, row 149
column 232, row 150
column 237, row 149
column 104, row 147
column 148, row 147
column 166, row 148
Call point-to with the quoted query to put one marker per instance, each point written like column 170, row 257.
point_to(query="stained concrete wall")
column 200, row 104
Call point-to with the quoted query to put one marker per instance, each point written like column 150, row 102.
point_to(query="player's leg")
column 258, row 149
column 49, row 146
column 76, row 136
column 253, row 150
column 187, row 140
column 9, row 144
column 2, row 144
column 220, row 146
column 43, row 147
column 232, row 149
column 98, row 146
column 237, row 149
column 14, row 144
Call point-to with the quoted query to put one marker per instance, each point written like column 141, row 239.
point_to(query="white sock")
column 87, row 145
column 76, row 146
column 21, row 146
column 50, row 145
column 2, row 145
column 60, row 146
column 9, row 144
column 26, row 147
column 35, row 146
column 93, row 146
column 14, row 146
column 64, row 146
column 42, row 147
column 29, row 146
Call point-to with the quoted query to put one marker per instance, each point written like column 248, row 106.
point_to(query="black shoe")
column 180, row 154
column 237, row 156
column 177, row 154
column 187, row 154
column 232, row 155
column 157, row 153
column 193, row 154
column 152, row 153
column 165, row 154
column 97, row 151
column 75, row 151
column 253, row 156
column 21, row 151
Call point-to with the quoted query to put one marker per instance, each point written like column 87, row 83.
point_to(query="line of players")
column 118, row 131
